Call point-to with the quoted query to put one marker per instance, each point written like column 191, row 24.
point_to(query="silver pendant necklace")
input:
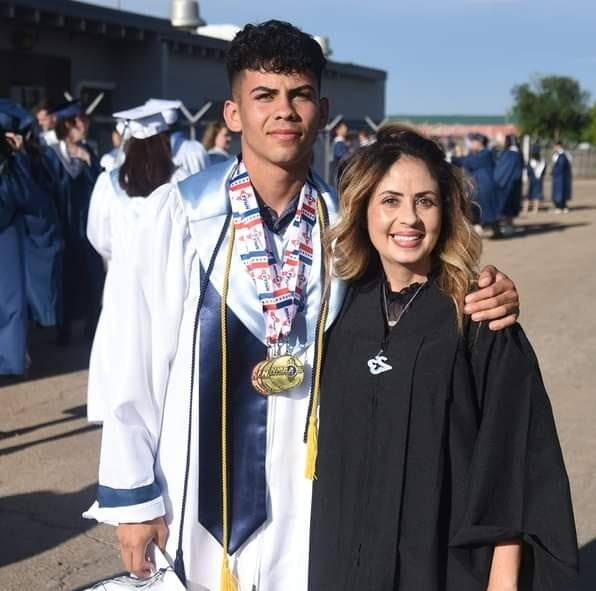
column 380, row 362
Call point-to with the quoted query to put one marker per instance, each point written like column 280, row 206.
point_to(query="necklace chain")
column 392, row 323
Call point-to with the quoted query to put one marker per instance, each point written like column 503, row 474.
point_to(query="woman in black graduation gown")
column 439, row 467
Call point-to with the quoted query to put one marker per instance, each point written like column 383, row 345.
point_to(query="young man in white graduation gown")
column 257, row 221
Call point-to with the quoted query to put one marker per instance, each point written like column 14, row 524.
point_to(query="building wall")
column 355, row 97
column 130, row 68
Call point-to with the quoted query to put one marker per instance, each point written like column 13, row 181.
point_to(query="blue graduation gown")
column 82, row 268
column 43, row 249
column 508, row 178
column 561, row 180
column 24, row 227
column 480, row 166
column 535, row 188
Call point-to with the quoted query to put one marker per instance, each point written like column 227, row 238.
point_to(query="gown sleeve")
column 138, row 341
column 98, row 222
column 517, row 484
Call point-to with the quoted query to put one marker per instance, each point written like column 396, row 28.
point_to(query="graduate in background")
column 561, row 173
column 43, row 239
column 46, row 121
column 479, row 164
column 508, row 178
column 29, row 244
column 118, row 199
column 439, row 466
column 115, row 157
column 339, row 148
column 75, row 168
column 536, row 170
column 216, row 140
column 186, row 153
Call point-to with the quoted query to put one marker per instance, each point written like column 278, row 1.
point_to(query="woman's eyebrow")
column 398, row 194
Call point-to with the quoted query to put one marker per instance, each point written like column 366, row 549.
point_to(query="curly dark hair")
column 274, row 46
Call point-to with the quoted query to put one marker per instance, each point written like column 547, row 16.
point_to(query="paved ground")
column 48, row 453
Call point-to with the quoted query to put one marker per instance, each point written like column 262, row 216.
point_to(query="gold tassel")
column 228, row 581
column 312, row 448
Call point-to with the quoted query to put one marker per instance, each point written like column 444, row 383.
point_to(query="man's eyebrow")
column 263, row 89
column 302, row 88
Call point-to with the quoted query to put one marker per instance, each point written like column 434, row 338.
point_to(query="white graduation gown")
column 147, row 389
column 113, row 215
column 189, row 154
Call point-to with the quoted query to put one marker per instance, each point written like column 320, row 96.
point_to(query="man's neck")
column 275, row 185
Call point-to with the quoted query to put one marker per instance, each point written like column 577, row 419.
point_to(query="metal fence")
column 583, row 163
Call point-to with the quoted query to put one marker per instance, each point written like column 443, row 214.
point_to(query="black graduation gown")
column 423, row 468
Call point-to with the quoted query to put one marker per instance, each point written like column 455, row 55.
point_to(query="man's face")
column 278, row 115
column 45, row 120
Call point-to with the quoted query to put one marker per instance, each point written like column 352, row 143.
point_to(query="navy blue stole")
column 247, row 427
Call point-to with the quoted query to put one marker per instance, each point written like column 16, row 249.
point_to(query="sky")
column 441, row 56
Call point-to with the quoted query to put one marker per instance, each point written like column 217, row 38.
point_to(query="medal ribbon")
column 280, row 287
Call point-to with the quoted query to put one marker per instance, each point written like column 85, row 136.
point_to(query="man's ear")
column 323, row 112
column 231, row 114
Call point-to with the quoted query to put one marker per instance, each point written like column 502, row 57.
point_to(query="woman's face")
column 223, row 139
column 78, row 131
column 404, row 218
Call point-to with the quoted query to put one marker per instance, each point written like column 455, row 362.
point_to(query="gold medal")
column 277, row 374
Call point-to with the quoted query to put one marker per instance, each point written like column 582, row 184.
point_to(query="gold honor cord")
column 312, row 436
column 228, row 581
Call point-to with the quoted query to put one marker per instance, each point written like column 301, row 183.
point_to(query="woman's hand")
column 504, row 569
column 134, row 538
column 496, row 300
column 15, row 141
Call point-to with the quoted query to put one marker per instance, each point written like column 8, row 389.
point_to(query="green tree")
column 590, row 130
column 551, row 107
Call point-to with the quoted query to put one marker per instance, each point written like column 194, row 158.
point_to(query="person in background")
column 115, row 157
column 364, row 137
column 75, row 168
column 536, row 170
column 479, row 165
column 29, row 244
column 42, row 244
column 216, row 140
column 439, row 465
column 119, row 197
column 340, row 148
column 46, row 121
column 508, row 178
column 562, row 178
column 186, row 153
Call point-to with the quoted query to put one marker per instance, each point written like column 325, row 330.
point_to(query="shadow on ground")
column 35, row 522
column 529, row 229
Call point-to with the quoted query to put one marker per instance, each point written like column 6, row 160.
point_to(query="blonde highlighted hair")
column 457, row 254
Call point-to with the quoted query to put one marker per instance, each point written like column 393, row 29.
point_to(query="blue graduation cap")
column 67, row 110
column 13, row 117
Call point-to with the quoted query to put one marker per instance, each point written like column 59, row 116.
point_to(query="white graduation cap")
column 143, row 122
column 169, row 109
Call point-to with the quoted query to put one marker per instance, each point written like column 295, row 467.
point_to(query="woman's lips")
column 407, row 240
